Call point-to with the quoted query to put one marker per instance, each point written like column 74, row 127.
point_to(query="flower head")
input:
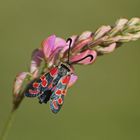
column 51, row 47
column 82, row 49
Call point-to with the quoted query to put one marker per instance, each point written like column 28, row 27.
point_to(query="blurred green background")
column 105, row 102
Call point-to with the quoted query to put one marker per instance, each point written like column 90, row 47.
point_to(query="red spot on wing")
column 44, row 83
column 60, row 101
column 42, row 77
column 53, row 71
column 54, row 104
column 58, row 92
column 65, row 80
column 35, row 85
column 33, row 91
column 64, row 92
column 50, row 86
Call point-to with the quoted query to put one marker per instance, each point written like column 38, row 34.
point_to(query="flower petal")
column 73, row 79
column 87, row 60
column 64, row 49
column 81, row 44
column 107, row 49
column 48, row 45
column 37, row 57
column 85, row 35
column 19, row 82
column 59, row 42
column 84, row 39
column 133, row 21
column 101, row 31
column 119, row 26
column 121, row 22
column 54, row 57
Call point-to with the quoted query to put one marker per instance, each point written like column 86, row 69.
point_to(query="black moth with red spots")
column 53, row 84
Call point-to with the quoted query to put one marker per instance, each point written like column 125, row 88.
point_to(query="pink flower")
column 37, row 57
column 55, row 50
column 50, row 45
column 49, row 52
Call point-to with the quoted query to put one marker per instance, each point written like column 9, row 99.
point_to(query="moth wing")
column 31, row 91
column 42, row 84
column 57, row 97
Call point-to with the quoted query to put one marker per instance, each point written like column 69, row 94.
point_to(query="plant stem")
column 7, row 126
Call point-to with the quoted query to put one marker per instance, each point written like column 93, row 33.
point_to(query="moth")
column 52, row 86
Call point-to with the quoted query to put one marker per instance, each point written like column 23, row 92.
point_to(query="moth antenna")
column 69, row 40
column 91, row 58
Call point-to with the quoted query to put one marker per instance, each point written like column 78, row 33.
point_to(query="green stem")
column 7, row 126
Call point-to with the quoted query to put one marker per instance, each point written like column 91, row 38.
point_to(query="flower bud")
column 85, row 35
column 118, row 27
column 101, row 31
column 103, row 50
column 20, row 78
column 134, row 21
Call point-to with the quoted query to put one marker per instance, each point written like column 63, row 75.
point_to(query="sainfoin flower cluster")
column 54, row 50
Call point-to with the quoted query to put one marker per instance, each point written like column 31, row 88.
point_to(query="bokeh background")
column 105, row 102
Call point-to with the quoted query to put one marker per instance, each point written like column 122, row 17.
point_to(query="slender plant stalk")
column 16, row 102
column 8, row 125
